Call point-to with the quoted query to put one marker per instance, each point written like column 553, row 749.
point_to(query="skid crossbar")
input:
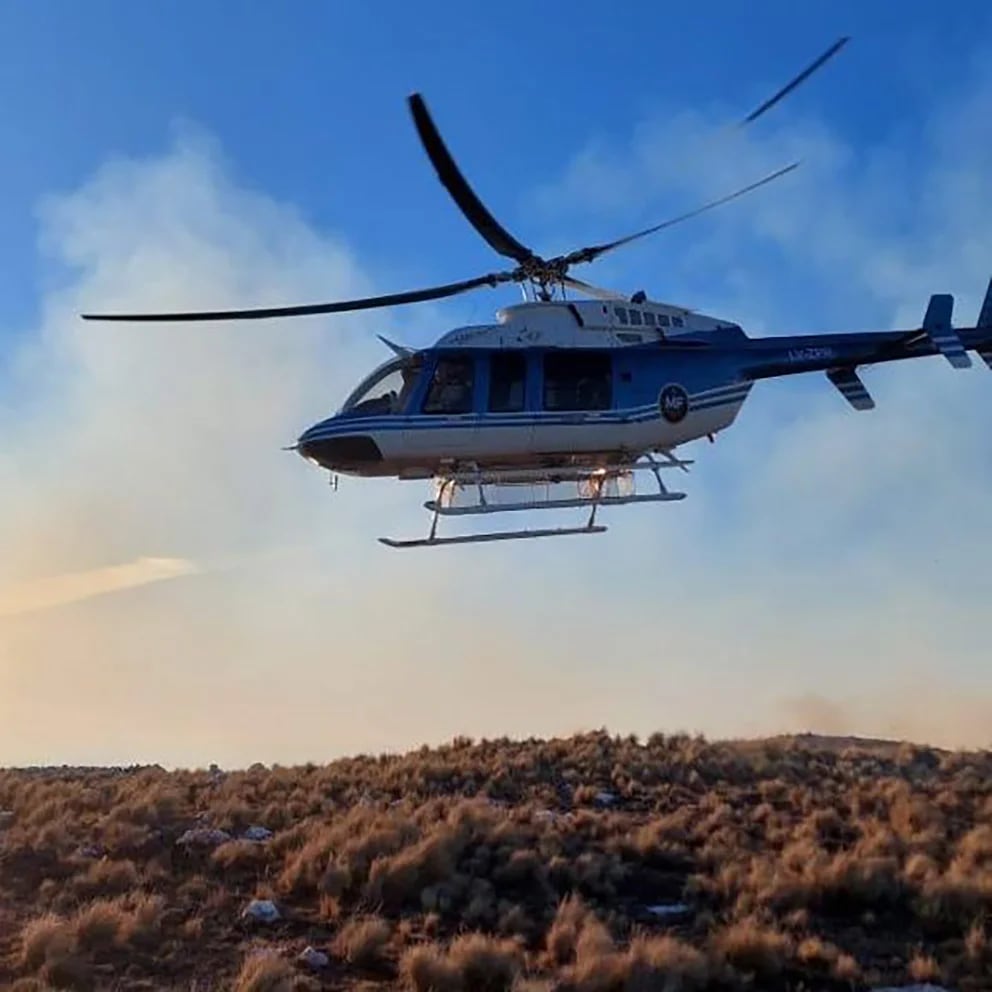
column 595, row 478
column 550, row 504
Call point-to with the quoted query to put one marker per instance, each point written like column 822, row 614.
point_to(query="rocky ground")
column 588, row 864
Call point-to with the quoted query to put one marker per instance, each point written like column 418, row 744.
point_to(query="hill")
column 584, row 864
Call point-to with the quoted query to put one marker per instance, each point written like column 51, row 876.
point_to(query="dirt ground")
column 585, row 864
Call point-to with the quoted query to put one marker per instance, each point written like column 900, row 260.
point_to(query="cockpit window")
column 387, row 390
column 452, row 388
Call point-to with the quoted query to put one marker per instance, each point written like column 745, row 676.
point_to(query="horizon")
column 174, row 587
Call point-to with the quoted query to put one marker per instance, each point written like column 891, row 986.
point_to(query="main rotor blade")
column 415, row 296
column 588, row 254
column 455, row 183
column 596, row 291
column 792, row 84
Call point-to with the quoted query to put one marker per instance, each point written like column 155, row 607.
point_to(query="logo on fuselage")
column 673, row 401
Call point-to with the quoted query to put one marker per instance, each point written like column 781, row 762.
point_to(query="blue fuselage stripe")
column 731, row 396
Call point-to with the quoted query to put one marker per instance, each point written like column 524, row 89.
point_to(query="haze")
column 176, row 588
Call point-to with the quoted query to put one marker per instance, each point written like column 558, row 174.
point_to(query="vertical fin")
column 851, row 388
column 937, row 324
column 985, row 314
column 985, row 323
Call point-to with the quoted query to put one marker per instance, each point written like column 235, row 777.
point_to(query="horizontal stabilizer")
column 937, row 324
column 851, row 388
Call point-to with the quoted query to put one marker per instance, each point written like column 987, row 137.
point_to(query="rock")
column 314, row 959
column 204, row 837
column 664, row 909
column 257, row 833
column 921, row 987
column 263, row 910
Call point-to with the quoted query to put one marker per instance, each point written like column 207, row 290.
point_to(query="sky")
column 174, row 588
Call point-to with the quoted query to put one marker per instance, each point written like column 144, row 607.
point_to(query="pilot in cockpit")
column 451, row 390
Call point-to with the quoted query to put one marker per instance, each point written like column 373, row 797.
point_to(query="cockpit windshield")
column 387, row 389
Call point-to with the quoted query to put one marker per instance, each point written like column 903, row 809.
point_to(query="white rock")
column 668, row 909
column 204, row 837
column 263, row 910
column 924, row 987
column 258, row 833
column 314, row 958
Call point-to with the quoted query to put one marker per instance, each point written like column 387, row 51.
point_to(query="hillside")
column 588, row 864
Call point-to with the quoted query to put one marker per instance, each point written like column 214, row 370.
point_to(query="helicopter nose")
column 338, row 452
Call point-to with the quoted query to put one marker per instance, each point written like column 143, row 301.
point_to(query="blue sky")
column 827, row 570
column 307, row 100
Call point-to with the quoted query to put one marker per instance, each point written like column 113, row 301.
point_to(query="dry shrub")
column 239, row 856
column 974, row 850
column 846, row 968
column 752, row 946
column 485, row 964
column 107, row 878
column 363, row 941
column 574, row 925
column 266, row 972
column 976, row 941
column 46, row 938
column 142, row 922
column 472, row 963
column 665, row 962
column 99, row 925
column 397, row 880
column 923, row 968
column 426, row 968
column 817, row 952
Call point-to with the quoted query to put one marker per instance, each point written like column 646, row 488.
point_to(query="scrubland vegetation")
column 589, row 864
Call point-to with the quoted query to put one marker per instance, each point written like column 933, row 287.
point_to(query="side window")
column 577, row 380
column 676, row 321
column 649, row 318
column 507, row 382
column 451, row 389
column 621, row 314
column 663, row 320
column 635, row 316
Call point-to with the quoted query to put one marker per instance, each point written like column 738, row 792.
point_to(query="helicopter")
column 582, row 393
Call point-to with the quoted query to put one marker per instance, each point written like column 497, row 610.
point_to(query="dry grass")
column 508, row 865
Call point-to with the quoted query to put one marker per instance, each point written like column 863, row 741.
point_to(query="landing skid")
column 505, row 535
column 593, row 482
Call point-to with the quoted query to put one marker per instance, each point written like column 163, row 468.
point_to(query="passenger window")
column 635, row 317
column 663, row 320
column 507, row 382
column 621, row 314
column 649, row 318
column 451, row 389
column 577, row 381
column 676, row 322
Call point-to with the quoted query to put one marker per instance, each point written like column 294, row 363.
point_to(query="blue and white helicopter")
column 576, row 393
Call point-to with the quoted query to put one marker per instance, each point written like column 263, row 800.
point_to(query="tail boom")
column 840, row 355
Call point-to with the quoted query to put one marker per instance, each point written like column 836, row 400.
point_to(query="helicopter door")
column 509, row 429
column 451, row 398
